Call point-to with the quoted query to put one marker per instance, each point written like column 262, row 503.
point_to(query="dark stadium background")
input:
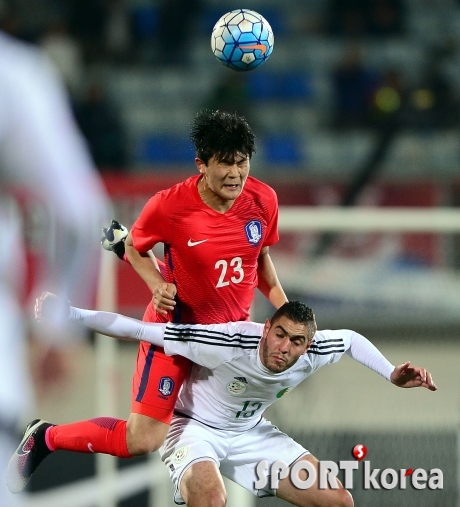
column 358, row 104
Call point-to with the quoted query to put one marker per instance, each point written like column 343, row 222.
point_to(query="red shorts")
column 157, row 380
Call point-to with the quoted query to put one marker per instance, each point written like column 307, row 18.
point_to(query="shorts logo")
column 236, row 387
column 284, row 391
column 166, row 386
column 253, row 231
column 180, row 454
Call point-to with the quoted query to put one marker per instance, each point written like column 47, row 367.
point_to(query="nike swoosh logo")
column 262, row 47
column 194, row 243
column 90, row 447
column 24, row 452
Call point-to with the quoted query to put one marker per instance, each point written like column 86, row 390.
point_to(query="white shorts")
column 236, row 454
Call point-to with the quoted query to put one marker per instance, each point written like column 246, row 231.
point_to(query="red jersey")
column 211, row 257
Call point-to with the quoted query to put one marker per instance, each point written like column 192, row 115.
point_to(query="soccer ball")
column 242, row 40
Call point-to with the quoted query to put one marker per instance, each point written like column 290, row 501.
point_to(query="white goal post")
column 109, row 486
column 367, row 219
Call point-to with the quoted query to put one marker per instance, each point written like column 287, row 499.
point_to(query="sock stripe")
column 145, row 373
column 48, row 440
column 105, row 422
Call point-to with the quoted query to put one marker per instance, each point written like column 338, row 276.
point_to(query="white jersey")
column 228, row 386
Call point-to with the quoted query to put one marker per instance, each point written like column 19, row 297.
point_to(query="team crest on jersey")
column 180, row 454
column 236, row 386
column 284, row 391
column 253, row 231
column 166, row 386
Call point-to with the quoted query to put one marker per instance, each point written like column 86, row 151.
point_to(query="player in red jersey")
column 216, row 228
column 211, row 256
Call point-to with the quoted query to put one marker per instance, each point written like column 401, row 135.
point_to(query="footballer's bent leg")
column 202, row 486
column 145, row 434
column 313, row 496
column 156, row 384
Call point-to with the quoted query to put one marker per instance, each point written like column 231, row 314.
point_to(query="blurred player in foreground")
column 42, row 154
column 215, row 430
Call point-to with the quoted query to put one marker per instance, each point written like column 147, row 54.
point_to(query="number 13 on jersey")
column 246, row 412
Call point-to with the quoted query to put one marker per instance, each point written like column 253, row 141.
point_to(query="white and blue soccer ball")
column 242, row 40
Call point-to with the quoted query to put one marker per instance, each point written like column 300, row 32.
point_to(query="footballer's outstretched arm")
column 403, row 375
column 179, row 340
column 107, row 323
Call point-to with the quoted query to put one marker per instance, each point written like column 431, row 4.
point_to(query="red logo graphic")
column 359, row 451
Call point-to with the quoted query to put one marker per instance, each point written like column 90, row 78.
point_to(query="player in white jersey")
column 43, row 155
column 240, row 369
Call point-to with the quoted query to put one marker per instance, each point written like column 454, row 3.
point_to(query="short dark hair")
column 297, row 312
column 221, row 134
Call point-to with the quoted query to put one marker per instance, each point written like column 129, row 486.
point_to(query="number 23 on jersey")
column 229, row 272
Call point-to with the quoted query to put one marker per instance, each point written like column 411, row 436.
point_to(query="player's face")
column 223, row 180
column 283, row 343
